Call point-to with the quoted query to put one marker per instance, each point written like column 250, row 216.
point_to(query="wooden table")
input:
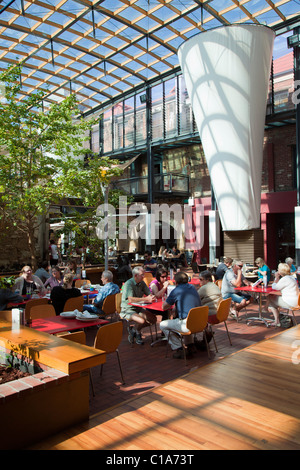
column 58, row 324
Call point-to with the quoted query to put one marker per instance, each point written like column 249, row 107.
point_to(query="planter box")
column 53, row 398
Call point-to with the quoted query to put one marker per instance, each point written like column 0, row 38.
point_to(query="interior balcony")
column 164, row 185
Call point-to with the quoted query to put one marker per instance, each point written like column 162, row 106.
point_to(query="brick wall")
column 278, row 159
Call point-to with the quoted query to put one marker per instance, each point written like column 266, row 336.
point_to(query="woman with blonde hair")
column 60, row 294
column 288, row 286
column 263, row 269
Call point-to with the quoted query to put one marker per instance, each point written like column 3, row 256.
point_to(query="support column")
column 294, row 42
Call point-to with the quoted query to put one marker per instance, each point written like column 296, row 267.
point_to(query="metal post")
column 294, row 42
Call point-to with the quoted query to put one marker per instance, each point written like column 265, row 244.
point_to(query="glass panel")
column 283, row 70
column 107, row 131
column 95, row 139
column 185, row 110
column 118, row 126
column 171, row 111
column 157, row 112
column 140, row 119
column 129, row 122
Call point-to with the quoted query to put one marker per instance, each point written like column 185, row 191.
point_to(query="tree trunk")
column 31, row 246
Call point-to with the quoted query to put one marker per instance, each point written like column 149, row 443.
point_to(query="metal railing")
column 164, row 183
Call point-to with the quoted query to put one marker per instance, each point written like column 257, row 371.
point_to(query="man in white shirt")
column 234, row 278
column 54, row 253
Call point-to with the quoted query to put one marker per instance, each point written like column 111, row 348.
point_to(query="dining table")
column 157, row 309
column 59, row 324
column 262, row 291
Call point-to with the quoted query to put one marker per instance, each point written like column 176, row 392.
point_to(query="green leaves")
column 42, row 157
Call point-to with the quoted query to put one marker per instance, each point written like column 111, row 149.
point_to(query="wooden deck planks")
column 248, row 400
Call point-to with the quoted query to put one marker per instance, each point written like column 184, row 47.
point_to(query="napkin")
column 85, row 314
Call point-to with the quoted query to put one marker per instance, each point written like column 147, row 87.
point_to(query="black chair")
column 195, row 267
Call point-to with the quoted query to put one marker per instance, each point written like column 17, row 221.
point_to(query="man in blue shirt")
column 108, row 288
column 185, row 297
column 150, row 264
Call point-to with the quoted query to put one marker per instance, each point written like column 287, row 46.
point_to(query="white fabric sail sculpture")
column 226, row 71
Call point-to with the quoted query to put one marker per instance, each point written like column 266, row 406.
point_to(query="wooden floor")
column 245, row 397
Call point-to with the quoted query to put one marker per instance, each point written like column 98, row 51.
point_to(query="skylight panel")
column 290, row 8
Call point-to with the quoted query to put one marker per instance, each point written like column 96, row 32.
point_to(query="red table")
column 60, row 324
column 261, row 291
column 157, row 308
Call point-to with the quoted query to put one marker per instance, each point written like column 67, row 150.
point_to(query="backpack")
column 285, row 321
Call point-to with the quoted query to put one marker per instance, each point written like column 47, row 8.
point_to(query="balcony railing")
column 163, row 184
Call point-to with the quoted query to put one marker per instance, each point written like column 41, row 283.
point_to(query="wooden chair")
column 109, row 305
column 118, row 300
column 196, row 323
column 76, row 336
column 81, row 282
column 295, row 309
column 6, row 315
column 108, row 340
column 32, row 303
column 148, row 278
column 42, row 311
column 221, row 316
column 74, row 303
column 218, row 282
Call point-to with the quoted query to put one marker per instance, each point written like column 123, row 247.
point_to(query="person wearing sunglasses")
column 234, row 278
column 160, row 284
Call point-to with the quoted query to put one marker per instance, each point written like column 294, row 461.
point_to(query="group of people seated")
column 183, row 296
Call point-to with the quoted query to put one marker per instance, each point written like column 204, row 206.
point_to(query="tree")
column 41, row 158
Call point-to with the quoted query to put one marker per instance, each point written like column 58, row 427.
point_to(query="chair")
column 148, row 278
column 74, row 303
column 76, row 336
column 109, row 305
column 295, row 309
column 81, row 282
column 221, row 316
column 42, row 311
column 108, row 340
column 32, row 303
column 218, row 282
column 118, row 300
column 196, row 323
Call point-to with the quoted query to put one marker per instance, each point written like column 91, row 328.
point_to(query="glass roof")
column 104, row 48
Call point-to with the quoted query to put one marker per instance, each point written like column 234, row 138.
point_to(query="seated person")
column 108, row 289
column 209, row 293
column 174, row 255
column 285, row 283
column 290, row 261
column 160, row 284
column 55, row 279
column 185, row 297
column 42, row 272
column 60, row 294
column 234, row 278
column 7, row 296
column 263, row 269
column 28, row 282
column 222, row 268
column 150, row 263
column 135, row 290
column 124, row 271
